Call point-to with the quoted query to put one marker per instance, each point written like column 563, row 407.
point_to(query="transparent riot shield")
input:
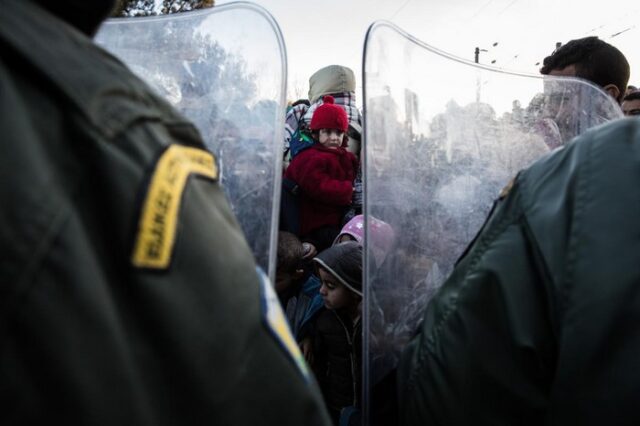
column 225, row 69
column 443, row 137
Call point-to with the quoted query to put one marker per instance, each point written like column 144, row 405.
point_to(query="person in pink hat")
column 324, row 174
column 380, row 232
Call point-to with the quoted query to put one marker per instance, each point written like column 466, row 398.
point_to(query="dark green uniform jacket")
column 128, row 295
column 540, row 321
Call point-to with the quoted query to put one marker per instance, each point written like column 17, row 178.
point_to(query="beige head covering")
column 331, row 79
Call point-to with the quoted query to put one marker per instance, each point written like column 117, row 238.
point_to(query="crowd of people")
column 323, row 199
column 322, row 210
column 130, row 295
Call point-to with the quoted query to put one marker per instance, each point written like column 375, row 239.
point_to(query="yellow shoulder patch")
column 159, row 216
column 277, row 324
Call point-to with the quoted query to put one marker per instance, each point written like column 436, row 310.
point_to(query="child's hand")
column 306, row 346
column 309, row 250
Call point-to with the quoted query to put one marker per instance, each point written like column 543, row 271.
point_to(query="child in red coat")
column 324, row 173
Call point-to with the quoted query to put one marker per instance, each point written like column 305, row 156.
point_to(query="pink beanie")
column 382, row 236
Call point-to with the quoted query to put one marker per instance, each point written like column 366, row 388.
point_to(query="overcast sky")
column 323, row 32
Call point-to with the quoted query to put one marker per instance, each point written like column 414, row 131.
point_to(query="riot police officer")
column 129, row 295
column 537, row 323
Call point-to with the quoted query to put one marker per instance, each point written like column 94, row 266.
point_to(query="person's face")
column 631, row 108
column 334, row 294
column 330, row 138
column 346, row 237
column 570, row 71
column 561, row 105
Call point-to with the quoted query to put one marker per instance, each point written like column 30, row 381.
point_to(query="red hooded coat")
column 325, row 177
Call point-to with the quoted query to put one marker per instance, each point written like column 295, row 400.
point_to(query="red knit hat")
column 329, row 116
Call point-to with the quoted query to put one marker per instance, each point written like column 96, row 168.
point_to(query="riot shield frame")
column 581, row 123
column 280, row 100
